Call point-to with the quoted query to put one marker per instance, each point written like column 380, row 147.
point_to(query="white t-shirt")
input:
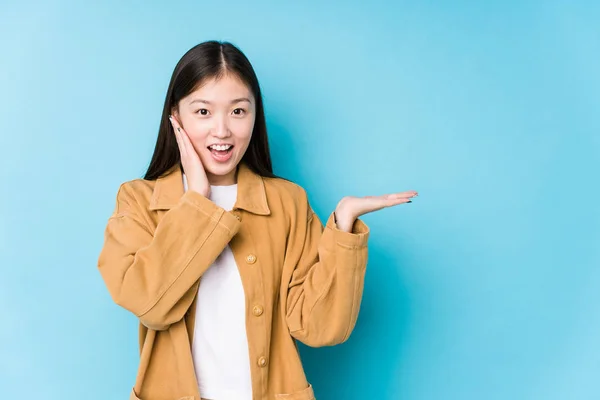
column 220, row 345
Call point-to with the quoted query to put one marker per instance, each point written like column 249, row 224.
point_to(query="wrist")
column 204, row 191
column 343, row 221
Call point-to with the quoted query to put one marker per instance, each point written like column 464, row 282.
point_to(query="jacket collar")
column 251, row 194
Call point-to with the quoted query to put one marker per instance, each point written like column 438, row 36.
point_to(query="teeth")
column 221, row 147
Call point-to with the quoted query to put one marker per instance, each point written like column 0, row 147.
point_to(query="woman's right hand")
column 192, row 165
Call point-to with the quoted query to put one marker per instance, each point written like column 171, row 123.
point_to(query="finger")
column 395, row 202
column 382, row 202
column 189, row 147
column 376, row 203
column 178, row 137
column 183, row 136
column 186, row 139
column 402, row 195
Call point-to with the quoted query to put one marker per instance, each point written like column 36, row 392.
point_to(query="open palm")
column 352, row 207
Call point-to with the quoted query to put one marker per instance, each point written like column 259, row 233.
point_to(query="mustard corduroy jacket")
column 302, row 281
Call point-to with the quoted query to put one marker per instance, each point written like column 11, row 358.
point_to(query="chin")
column 220, row 169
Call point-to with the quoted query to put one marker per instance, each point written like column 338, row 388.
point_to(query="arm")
column 325, row 290
column 153, row 275
column 326, row 287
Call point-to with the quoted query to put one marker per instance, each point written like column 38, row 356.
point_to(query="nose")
column 221, row 129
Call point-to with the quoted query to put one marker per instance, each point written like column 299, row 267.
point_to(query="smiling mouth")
column 224, row 148
column 221, row 153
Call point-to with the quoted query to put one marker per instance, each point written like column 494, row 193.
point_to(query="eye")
column 239, row 111
column 202, row 111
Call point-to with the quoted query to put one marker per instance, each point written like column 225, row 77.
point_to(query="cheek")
column 243, row 130
column 197, row 132
column 198, row 139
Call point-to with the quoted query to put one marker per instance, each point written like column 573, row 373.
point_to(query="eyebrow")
column 232, row 101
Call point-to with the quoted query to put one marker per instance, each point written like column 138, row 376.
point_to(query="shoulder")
column 285, row 188
column 288, row 195
column 134, row 194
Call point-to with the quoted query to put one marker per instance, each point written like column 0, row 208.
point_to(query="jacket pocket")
column 134, row 396
column 305, row 394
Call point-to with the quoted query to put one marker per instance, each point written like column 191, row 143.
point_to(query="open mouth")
column 221, row 152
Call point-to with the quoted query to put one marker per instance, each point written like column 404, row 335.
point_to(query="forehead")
column 223, row 88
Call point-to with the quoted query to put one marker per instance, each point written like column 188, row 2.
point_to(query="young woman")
column 224, row 264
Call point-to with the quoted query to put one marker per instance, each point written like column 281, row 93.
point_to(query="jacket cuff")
column 357, row 238
column 208, row 207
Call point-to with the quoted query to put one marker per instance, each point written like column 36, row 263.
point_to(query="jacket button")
column 251, row 259
column 262, row 362
column 237, row 217
column 257, row 311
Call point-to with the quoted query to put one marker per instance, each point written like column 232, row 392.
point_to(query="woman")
column 225, row 264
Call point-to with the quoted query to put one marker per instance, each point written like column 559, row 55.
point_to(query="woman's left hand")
column 350, row 207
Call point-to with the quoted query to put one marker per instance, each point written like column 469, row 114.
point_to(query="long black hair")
column 211, row 59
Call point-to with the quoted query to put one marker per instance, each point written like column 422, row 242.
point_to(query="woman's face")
column 220, row 112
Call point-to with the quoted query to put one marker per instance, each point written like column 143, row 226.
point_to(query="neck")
column 222, row 180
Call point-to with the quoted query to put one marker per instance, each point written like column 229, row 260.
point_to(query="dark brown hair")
column 211, row 59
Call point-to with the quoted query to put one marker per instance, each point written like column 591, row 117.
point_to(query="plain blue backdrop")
column 486, row 287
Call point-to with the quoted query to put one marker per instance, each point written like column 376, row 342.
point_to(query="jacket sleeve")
column 326, row 287
column 153, row 273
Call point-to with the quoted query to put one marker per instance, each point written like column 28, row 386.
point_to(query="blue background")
column 486, row 287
